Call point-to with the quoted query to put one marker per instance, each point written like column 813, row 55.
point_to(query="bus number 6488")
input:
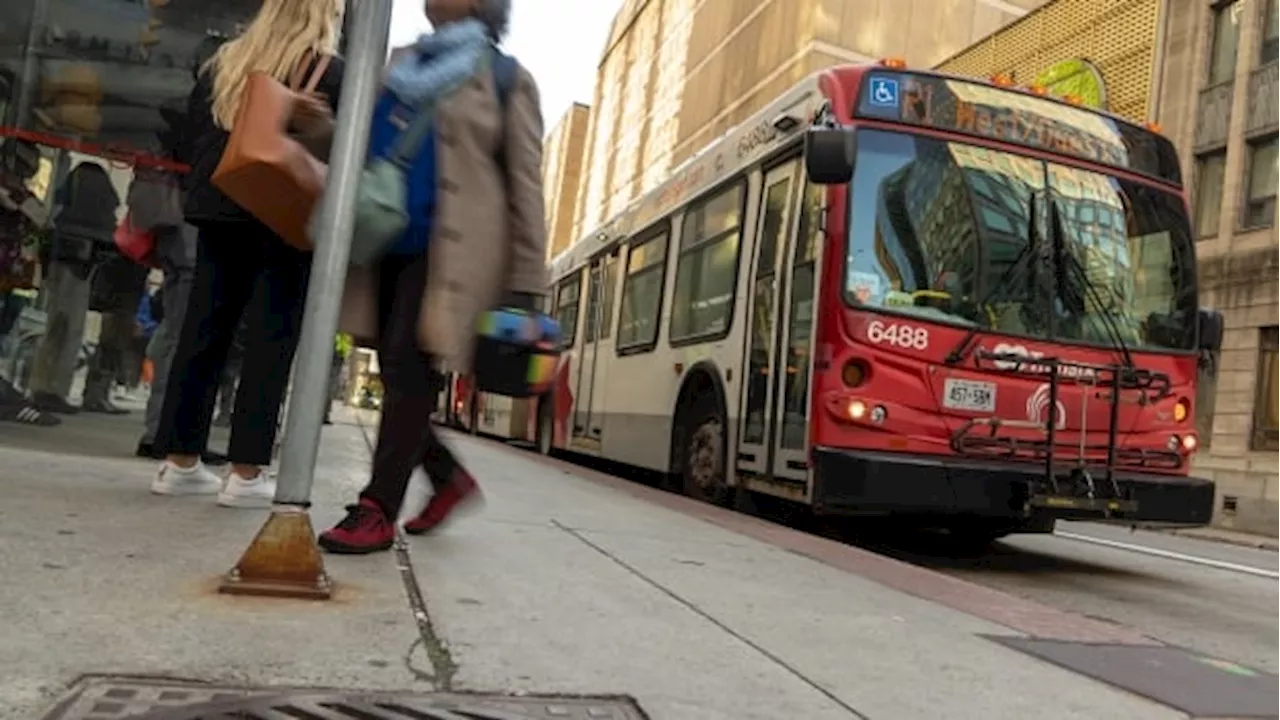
column 899, row 335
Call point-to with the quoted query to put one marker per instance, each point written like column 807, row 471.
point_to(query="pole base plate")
column 283, row 561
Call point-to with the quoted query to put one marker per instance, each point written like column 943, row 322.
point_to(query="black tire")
column 703, row 454
column 976, row 536
column 544, row 438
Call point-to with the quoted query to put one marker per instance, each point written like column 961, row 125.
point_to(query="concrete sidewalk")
column 566, row 583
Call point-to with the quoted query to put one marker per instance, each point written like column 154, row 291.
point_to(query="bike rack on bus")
column 1120, row 383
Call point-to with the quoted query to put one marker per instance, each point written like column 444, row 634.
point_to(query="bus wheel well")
column 701, row 384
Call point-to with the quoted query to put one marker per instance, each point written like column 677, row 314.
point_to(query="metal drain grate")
column 107, row 699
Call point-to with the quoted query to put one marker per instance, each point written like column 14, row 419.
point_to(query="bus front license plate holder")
column 969, row 395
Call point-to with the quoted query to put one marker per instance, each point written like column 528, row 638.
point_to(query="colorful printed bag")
column 517, row 352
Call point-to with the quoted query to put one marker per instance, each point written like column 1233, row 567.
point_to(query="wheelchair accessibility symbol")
column 884, row 92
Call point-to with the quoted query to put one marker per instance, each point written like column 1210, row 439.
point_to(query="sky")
column 564, row 67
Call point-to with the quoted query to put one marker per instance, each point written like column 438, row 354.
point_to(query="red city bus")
column 903, row 294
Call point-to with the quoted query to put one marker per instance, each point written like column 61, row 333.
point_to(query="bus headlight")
column 1174, row 443
column 857, row 409
column 1190, row 443
column 878, row 414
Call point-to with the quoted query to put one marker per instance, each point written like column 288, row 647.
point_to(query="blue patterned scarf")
column 439, row 63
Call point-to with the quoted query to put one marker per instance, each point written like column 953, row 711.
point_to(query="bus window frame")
column 740, row 180
column 608, row 260
column 570, row 338
column 655, row 230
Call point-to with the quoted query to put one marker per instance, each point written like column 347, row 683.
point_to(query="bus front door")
column 756, row 453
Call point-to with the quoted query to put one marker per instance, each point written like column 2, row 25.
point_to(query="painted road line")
column 1170, row 555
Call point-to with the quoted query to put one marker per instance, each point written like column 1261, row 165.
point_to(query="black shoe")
column 103, row 407
column 208, row 457
column 213, row 459
column 147, row 450
column 50, row 403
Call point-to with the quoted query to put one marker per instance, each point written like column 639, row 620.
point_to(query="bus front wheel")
column 702, row 466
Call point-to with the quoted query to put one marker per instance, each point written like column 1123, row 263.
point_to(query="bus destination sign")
column 1018, row 118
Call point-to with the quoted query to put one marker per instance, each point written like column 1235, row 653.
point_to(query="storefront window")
column 90, row 91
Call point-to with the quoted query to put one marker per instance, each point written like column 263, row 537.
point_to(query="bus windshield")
column 959, row 234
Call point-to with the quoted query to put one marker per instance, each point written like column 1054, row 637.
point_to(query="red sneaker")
column 365, row 530
column 461, row 490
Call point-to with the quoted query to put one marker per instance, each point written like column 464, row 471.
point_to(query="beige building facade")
column 562, row 156
column 1069, row 45
column 1217, row 101
column 676, row 74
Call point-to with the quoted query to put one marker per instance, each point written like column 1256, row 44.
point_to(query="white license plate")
column 969, row 395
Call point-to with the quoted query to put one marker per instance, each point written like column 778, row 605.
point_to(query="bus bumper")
column 855, row 482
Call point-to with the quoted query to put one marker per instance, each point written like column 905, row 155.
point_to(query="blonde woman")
column 238, row 259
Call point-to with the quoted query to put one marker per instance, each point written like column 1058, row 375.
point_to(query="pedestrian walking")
column 476, row 238
column 236, row 252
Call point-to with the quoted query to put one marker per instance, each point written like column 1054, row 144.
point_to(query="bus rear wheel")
column 546, row 427
column 702, row 467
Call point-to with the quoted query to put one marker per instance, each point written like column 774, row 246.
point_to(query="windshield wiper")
column 1076, row 269
column 961, row 349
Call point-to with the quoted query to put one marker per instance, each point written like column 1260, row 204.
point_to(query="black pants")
column 239, row 266
column 411, row 386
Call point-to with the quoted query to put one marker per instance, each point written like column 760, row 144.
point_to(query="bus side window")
column 702, row 305
column 568, row 296
column 642, row 292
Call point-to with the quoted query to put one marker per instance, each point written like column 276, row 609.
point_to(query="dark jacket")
column 203, row 142
column 88, row 201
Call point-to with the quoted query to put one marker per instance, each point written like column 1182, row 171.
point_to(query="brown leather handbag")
column 267, row 171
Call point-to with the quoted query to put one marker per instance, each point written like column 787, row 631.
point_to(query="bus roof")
column 783, row 121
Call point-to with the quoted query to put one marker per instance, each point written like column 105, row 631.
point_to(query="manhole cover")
column 1196, row 684
column 106, row 699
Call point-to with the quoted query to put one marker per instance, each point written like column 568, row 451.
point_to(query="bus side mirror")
column 828, row 156
column 1209, row 327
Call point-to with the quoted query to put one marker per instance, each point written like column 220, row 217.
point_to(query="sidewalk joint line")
column 443, row 666
column 711, row 619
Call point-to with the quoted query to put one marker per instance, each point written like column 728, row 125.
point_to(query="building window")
column 1270, row 31
column 1226, row 42
column 642, row 292
column 568, row 297
column 1210, row 173
column 1260, row 198
column 702, row 305
column 1266, row 409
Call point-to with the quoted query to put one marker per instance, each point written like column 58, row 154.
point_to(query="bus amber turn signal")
column 854, row 373
column 894, row 63
column 1181, row 410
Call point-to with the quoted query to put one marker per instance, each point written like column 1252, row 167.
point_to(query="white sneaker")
column 258, row 492
column 195, row 480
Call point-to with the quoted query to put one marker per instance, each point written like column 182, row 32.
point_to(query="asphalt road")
column 1222, row 611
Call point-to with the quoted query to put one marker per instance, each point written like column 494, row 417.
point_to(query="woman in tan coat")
column 476, row 239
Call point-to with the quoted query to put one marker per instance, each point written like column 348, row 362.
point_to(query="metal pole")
column 305, row 410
